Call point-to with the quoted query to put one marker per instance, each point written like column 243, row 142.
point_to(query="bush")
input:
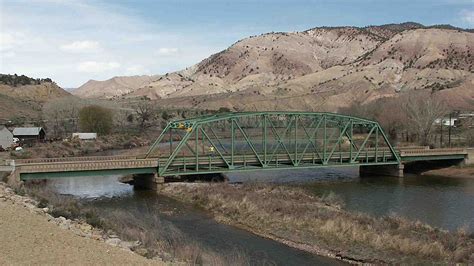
column 95, row 119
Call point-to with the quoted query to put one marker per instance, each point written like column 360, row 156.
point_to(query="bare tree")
column 62, row 115
column 422, row 112
column 146, row 112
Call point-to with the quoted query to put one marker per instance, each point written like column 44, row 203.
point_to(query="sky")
column 75, row 41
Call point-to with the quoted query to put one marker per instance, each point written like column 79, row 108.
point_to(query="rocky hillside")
column 116, row 86
column 22, row 96
column 321, row 68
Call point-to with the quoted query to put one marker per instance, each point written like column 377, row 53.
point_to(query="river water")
column 108, row 195
column 443, row 202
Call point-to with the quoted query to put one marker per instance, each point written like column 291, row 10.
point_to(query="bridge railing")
column 87, row 165
column 73, row 159
column 441, row 151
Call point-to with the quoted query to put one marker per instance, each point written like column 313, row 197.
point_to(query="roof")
column 4, row 128
column 27, row 131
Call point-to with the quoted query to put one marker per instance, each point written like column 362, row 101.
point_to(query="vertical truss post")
column 376, row 144
column 264, row 140
column 196, row 145
column 324, row 139
column 232, row 142
column 351, row 140
column 296, row 141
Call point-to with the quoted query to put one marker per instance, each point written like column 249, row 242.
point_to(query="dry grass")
column 157, row 238
column 292, row 214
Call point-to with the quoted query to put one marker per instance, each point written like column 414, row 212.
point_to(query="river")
column 108, row 195
column 443, row 202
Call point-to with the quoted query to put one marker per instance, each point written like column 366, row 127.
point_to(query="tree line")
column 15, row 80
column 412, row 118
column 66, row 115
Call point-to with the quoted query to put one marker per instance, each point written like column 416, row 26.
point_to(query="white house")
column 85, row 136
column 6, row 138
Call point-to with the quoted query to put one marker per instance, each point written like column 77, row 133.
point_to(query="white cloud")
column 10, row 40
column 167, row 51
column 96, row 67
column 136, row 70
column 9, row 54
column 81, row 46
column 108, row 40
column 468, row 16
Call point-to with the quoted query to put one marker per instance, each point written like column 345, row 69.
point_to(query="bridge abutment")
column 395, row 170
column 469, row 160
column 148, row 181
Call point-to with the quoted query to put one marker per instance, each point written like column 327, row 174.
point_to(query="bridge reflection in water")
column 237, row 142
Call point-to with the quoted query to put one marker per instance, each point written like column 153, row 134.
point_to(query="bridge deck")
column 56, row 167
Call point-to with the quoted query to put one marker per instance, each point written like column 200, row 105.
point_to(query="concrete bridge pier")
column 148, row 181
column 395, row 170
column 469, row 160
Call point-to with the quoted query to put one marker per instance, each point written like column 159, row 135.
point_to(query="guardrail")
column 84, row 165
column 445, row 151
column 73, row 159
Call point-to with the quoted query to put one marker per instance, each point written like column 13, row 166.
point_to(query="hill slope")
column 21, row 96
column 323, row 68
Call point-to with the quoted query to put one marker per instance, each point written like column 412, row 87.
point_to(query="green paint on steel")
column 270, row 138
column 409, row 158
column 237, row 142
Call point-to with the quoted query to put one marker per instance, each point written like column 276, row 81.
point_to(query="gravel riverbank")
column 29, row 235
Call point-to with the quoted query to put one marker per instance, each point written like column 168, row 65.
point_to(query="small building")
column 29, row 133
column 6, row 138
column 85, row 136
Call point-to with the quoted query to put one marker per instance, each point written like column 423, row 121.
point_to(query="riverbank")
column 29, row 235
column 321, row 225
column 455, row 171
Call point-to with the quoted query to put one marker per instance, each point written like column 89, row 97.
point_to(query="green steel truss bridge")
column 248, row 141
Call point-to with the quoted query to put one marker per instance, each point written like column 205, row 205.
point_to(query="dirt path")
column 27, row 238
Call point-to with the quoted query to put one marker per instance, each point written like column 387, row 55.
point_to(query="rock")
column 86, row 228
column 129, row 244
column 96, row 236
column 45, row 209
column 141, row 251
column 113, row 241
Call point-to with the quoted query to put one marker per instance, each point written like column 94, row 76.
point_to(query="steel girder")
column 269, row 140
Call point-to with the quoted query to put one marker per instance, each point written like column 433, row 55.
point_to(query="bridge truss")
column 269, row 140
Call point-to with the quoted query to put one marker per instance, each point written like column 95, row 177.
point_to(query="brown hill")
column 23, row 97
column 324, row 68
column 116, row 86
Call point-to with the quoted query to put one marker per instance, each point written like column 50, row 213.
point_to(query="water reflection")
column 108, row 196
column 439, row 201
column 90, row 186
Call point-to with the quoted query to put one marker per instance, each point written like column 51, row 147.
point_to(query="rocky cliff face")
column 324, row 68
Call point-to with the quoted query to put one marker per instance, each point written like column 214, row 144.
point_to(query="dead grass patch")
column 293, row 214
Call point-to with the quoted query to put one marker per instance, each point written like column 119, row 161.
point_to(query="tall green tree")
column 94, row 118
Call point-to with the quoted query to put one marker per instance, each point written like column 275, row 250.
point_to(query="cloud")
column 167, row 51
column 96, row 67
column 136, row 70
column 10, row 40
column 468, row 16
column 81, row 46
